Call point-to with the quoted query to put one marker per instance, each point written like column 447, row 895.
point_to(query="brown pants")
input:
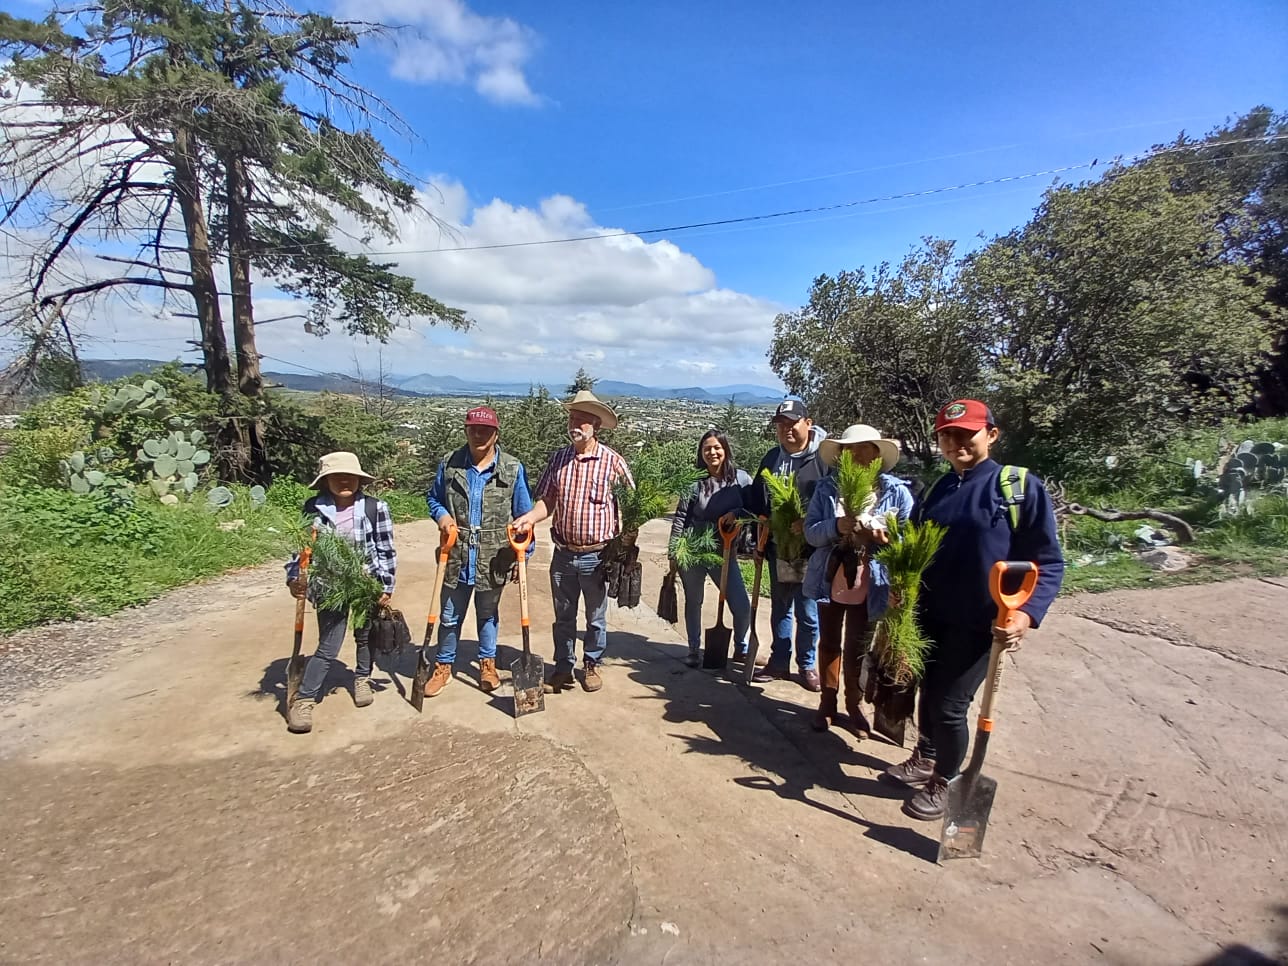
column 837, row 650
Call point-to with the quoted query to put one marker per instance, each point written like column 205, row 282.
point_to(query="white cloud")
column 449, row 43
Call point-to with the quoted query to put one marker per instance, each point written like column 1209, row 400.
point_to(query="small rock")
column 670, row 928
column 1167, row 559
column 232, row 524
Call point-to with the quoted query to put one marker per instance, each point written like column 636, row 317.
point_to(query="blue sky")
column 556, row 118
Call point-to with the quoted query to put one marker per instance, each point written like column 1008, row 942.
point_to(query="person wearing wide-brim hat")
column 576, row 490
column 852, row 589
column 340, row 505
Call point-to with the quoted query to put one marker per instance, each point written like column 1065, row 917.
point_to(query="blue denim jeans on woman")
column 331, row 627
column 573, row 577
column 455, row 605
column 695, row 580
column 784, row 599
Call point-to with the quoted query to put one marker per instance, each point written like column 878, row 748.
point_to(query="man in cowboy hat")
column 796, row 452
column 577, row 490
column 478, row 490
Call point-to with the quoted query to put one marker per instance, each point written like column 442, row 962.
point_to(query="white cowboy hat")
column 586, row 402
column 830, row 448
column 340, row 463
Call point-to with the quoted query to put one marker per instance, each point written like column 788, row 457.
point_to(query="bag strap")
column 369, row 505
column 1011, row 482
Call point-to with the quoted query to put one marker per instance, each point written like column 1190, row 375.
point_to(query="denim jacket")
column 822, row 534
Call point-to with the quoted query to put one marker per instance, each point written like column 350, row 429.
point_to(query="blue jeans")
column 574, row 576
column 455, row 605
column 695, row 580
column 784, row 599
column 331, row 627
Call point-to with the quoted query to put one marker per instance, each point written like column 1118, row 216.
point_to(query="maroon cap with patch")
column 969, row 414
column 482, row 416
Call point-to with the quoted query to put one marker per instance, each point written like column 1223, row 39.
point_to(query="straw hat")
column 340, row 463
column 586, row 402
column 830, row 448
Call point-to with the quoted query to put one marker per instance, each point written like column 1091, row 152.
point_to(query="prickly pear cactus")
column 85, row 472
column 172, row 462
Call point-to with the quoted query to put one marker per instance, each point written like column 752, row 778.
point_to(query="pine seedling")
column 696, row 547
column 856, row 482
column 902, row 643
column 786, row 508
column 339, row 574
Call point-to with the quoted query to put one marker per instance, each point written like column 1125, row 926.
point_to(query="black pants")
column 956, row 668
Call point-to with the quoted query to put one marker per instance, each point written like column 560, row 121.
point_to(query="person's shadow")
column 814, row 759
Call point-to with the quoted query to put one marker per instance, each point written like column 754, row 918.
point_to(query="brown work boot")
column 438, row 680
column 362, row 694
column 825, row 716
column 917, row 770
column 931, row 802
column 299, row 720
column 560, row 681
column 489, row 680
column 590, row 679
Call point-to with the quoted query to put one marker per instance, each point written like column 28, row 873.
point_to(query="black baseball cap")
column 793, row 408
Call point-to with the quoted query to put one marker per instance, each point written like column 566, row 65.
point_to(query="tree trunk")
column 205, row 294
column 249, row 379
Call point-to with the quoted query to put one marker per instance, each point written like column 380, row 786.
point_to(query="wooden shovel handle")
column 306, row 557
column 520, row 546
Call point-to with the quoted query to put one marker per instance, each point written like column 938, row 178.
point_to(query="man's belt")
column 580, row 548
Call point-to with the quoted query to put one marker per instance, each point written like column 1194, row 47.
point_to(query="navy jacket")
column 955, row 585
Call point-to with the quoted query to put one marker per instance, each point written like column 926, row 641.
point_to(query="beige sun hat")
column 587, row 402
column 830, row 448
column 340, row 463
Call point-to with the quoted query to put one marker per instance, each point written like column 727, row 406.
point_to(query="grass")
column 71, row 556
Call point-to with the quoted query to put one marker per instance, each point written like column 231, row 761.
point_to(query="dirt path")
column 155, row 808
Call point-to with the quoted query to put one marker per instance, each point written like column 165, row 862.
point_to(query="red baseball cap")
column 482, row 416
column 969, row 414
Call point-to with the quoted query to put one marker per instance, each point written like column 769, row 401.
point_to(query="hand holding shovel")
column 446, row 539
column 527, row 674
column 970, row 794
column 762, row 538
column 295, row 666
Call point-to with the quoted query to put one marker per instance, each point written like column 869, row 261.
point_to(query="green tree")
column 1116, row 317
column 582, row 381
column 885, row 348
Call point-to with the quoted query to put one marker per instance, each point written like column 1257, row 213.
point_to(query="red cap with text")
column 969, row 414
column 482, row 416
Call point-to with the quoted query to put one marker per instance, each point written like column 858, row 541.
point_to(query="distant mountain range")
column 427, row 384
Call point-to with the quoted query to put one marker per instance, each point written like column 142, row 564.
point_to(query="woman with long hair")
column 709, row 499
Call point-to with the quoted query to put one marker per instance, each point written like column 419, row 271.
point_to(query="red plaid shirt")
column 579, row 492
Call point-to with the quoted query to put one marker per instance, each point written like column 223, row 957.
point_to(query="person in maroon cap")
column 479, row 489
column 990, row 513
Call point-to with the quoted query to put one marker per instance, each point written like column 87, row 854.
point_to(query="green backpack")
column 1011, row 484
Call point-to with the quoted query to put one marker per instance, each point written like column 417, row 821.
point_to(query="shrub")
column 34, row 455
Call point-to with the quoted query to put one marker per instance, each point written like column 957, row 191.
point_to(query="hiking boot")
column 931, row 802
column 362, row 695
column 771, row 673
column 489, row 680
column 826, row 713
column 810, row 680
column 695, row 657
column 590, row 679
column 299, row 720
column 917, row 770
column 857, row 722
column 560, row 681
column 438, row 680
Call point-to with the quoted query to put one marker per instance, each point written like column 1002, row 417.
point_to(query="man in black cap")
column 796, row 452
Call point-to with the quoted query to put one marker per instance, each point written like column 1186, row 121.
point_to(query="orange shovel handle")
column 1009, row 603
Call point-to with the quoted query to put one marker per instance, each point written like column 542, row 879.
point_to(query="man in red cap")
column 479, row 489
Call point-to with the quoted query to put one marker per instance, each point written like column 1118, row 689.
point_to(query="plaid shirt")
column 382, row 561
column 579, row 492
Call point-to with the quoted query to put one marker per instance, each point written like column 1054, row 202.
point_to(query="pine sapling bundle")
column 901, row 643
column 340, row 577
column 785, row 509
column 696, row 547
column 855, row 482
column 646, row 500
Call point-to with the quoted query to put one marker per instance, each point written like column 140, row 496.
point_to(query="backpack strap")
column 369, row 504
column 1011, row 482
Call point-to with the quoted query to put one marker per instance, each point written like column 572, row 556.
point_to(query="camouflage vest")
column 494, row 554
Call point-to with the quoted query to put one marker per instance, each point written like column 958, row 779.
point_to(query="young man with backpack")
column 991, row 513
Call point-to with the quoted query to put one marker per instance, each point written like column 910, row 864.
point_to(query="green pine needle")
column 902, row 645
column 696, row 547
column 855, row 482
column 341, row 581
column 786, row 508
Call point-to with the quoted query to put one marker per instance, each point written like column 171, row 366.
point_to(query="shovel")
column 527, row 674
column 715, row 651
column 970, row 794
column 762, row 538
column 295, row 666
column 446, row 538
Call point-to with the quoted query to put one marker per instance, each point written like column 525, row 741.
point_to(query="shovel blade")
column 894, row 728
column 753, row 646
column 417, row 696
column 527, row 677
column 715, row 651
column 970, row 801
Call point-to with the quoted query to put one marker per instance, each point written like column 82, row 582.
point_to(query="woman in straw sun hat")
column 340, row 505
column 851, row 588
